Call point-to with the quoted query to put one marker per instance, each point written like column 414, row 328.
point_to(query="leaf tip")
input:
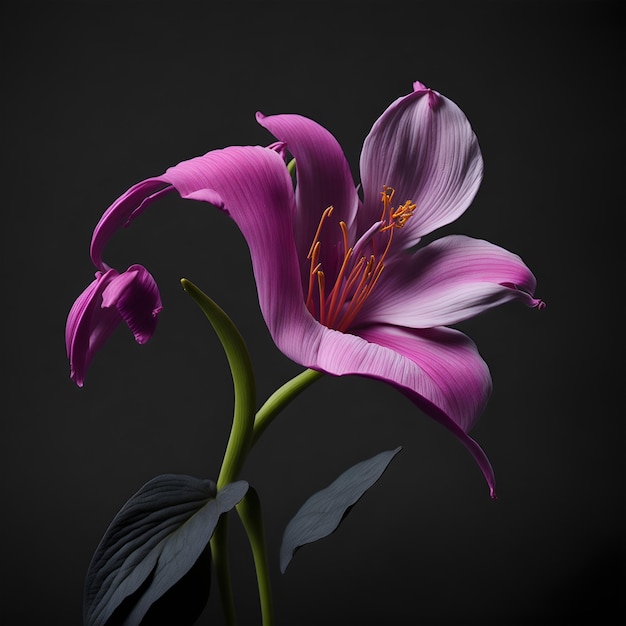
column 285, row 559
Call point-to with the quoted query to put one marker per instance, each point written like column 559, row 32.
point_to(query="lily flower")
column 339, row 286
column 112, row 297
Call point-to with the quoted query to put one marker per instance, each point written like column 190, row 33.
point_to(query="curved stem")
column 219, row 554
column 240, row 438
column 243, row 381
column 249, row 510
column 280, row 399
column 245, row 432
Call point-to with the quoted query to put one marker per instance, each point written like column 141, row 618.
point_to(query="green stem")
column 240, row 438
column 243, row 381
column 219, row 554
column 280, row 399
column 245, row 432
column 291, row 169
column 249, row 510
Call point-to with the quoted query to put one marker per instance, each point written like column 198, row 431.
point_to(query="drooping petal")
column 130, row 204
column 423, row 147
column 253, row 186
column 449, row 280
column 451, row 375
column 112, row 297
column 136, row 296
column 439, row 369
column 89, row 326
column 324, row 179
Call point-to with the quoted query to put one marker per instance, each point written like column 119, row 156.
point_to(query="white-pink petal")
column 423, row 147
column 449, row 280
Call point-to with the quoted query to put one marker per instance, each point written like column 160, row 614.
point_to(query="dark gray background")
column 98, row 96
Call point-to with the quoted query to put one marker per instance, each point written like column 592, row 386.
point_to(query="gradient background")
column 98, row 96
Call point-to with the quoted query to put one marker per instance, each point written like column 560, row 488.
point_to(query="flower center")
column 336, row 304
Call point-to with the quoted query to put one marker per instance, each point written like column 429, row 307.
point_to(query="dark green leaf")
column 153, row 542
column 322, row 513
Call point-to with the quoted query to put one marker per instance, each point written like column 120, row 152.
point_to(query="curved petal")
column 89, row 326
column 253, row 186
column 136, row 296
column 439, row 369
column 130, row 204
column 423, row 147
column 448, row 281
column 324, row 179
column 112, row 297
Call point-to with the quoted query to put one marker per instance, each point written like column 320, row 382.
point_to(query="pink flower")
column 339, row 288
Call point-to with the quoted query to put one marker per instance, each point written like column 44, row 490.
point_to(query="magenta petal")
column 111, row 298
column 324, row 176
column 324, row 179
column 439, row 369
column 449, row 280
column 89, row 326
column 136, row 296
column 125, row 208
column 252, row 184
column 422, row 146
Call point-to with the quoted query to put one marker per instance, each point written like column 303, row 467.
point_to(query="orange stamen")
column 399, row 216
column 334, row 294
column 313, row 255
column 387, row 196
column 355, row 303
column 358, row 275
column 361, row 298
column 321, row 284
column 344, row 232
column 325, row 214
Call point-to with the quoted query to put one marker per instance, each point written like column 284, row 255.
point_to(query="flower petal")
column 121, row 212
column 112, row 297
column 449, row 280
column 422, row 146
column 324, row 179
column 439, row 369
column 253, row 186
column 89, row 326
column 136, row 296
